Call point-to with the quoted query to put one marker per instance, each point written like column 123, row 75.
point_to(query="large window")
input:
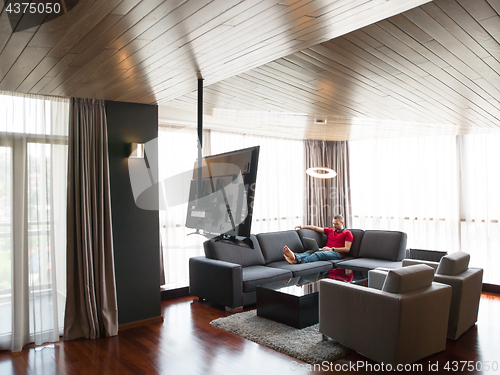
column 177, row 152
column 33, row 163
column 442, row 191
column 279, row 194
column 480, row 202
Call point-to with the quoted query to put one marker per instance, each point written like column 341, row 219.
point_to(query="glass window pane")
column 5, row 240
column 480, row 215
column 39, row 246
column 407, row 184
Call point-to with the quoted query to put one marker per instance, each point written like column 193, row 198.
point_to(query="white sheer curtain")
column 408, row 184
column 177, row 152
column 480, row 176
column 33, row 164
column 279, row 191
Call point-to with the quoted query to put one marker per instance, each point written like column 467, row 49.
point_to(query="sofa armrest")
column 420, row 254
column 216, row 280
column 412, row 262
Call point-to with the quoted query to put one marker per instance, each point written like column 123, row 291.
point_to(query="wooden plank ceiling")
column 371, row 68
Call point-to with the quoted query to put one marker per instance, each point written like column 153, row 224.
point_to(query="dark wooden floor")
column 186, row 344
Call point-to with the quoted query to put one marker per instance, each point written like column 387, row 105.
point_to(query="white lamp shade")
column 321, row 172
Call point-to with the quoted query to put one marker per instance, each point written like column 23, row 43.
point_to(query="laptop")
column 311, row 244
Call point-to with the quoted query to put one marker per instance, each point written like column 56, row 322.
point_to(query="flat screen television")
column 221, row 203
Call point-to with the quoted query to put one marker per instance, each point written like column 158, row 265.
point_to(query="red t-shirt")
column 337, row 239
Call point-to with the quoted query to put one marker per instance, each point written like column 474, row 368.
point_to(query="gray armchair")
column 405, row 321
column 453, row 270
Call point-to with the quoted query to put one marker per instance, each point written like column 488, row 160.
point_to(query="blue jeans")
column 314, row 256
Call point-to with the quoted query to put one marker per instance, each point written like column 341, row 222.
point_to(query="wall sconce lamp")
column 136, row 150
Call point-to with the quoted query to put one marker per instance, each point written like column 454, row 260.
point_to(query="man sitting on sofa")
column 339, row 242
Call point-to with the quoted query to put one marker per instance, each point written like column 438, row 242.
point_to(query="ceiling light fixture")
column 321, row 172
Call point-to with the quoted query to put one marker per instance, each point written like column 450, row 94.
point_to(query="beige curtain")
column 91, row 308
column 327, row 197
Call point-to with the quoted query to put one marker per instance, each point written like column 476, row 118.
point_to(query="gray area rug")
column 305, row 344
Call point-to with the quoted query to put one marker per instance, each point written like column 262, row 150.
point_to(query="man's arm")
column 317, row 229
column 345, row 249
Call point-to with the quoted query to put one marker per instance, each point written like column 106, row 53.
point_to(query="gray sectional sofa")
column 229, row 274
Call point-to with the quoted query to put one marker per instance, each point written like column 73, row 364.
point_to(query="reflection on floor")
column 186, row 344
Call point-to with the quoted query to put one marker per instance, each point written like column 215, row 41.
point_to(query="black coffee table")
column 293, row 302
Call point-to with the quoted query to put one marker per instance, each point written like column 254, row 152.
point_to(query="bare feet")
column 289, row 255
column 291, row 261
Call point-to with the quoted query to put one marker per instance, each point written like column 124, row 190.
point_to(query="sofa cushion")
column 453, row 264
column 303, row 269
column 321, row 239
column 245, row 256
column 366, row 264
column 272, row 244
column 357, row 235
column 382, row 244
column 407, row 279
column 335, row 261
column 257, row 275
